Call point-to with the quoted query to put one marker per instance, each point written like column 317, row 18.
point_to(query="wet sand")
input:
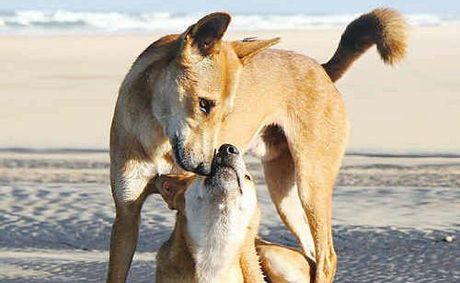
column 56, row 214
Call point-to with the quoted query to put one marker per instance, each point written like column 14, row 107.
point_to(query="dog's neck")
column 216, row 243
column 217, row 260
column 216, row 232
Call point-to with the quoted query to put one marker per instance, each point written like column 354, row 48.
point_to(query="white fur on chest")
column 137, row 173
column 217, row 231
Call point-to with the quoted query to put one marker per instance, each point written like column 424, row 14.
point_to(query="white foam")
column 62, row 20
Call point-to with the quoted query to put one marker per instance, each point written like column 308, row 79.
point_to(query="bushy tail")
column 384, row 27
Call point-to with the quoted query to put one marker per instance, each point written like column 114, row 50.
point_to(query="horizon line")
column 352, row 152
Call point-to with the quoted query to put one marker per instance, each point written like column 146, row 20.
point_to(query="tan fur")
column 281, row 101
column 282, row 264
column 383, row 27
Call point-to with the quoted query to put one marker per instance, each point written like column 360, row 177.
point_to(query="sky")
column 235, row 6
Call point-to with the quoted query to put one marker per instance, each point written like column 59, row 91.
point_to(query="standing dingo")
column 188, row 93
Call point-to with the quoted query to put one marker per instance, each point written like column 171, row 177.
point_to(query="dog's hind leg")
column 315, row 193
column 280, row 177
column 316, row 166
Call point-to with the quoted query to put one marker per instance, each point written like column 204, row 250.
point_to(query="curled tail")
column 383, row 27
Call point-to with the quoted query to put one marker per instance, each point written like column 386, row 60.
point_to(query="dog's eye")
column 206, row 105
column 247, row 177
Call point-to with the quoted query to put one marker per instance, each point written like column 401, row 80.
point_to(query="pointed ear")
column 247, row 48
column 172, row 189
column 207, row 32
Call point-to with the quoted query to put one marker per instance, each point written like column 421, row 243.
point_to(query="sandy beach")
column 391, row 218
column 60, row 91
column 392, row 212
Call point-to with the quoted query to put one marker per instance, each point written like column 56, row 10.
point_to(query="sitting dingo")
column 214, row 238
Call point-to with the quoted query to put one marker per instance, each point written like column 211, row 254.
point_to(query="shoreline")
column 361, row 153
column 77, row 166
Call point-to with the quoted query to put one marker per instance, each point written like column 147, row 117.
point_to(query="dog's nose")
column 229, row 149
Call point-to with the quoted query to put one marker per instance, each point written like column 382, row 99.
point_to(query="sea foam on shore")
column 58, row 21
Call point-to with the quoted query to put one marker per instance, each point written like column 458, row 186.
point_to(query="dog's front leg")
column 249, row 260
column 130, row 189
column 123, row 241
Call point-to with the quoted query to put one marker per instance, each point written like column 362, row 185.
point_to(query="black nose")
column 229, row 149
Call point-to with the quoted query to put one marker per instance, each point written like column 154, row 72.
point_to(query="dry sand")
column 391, row 214
column 59, row 91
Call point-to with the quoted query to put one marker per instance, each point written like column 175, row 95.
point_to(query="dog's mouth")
column 227, row 167
column 184, row 160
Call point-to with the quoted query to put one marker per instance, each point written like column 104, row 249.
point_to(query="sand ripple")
column 58, row 231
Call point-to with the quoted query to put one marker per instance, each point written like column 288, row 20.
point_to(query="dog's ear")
column 207, row 32
column 247, row 48
column 172, row 189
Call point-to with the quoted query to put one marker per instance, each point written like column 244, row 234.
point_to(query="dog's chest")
column 137, row 173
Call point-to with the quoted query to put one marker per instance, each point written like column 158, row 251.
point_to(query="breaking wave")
column 32, row 21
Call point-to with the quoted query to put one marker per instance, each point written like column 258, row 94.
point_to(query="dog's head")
column 194, row 92
column 228, row 187
column 216, row 213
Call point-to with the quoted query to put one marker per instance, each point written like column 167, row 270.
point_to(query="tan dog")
column 216, row 224
column 188, row 93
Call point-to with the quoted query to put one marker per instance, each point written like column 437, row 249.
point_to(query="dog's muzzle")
column 228, row 165
column 186, row 161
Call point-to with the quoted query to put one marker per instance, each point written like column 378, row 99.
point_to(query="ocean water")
column 69, row 21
